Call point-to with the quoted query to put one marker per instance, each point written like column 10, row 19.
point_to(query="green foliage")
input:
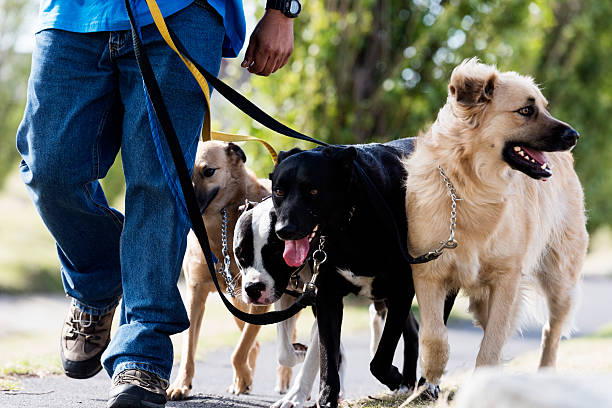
column 14, row 69
column 378, row 70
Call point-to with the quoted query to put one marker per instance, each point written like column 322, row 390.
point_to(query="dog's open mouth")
column 528, row 160
column 296, row 251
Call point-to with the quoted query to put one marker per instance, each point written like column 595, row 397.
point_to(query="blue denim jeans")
column 85, row 103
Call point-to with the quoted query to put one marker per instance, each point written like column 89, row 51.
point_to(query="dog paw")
column 287, row 404
column 403, row 390
column 389, row 376
column 283, row 379
column 241, row 382
column 427, row 391
column 239, row 387
column 178, row 391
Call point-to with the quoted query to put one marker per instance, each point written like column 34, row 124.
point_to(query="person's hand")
column 270, row 45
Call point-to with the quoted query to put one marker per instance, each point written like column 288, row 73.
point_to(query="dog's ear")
column 283, row 154
column 341, row 154
column 234, row 149
column 472, row 83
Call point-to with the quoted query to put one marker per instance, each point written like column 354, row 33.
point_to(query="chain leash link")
column 451, row 242
column 224, row 266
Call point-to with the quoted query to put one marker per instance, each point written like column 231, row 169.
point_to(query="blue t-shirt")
column 85, row 16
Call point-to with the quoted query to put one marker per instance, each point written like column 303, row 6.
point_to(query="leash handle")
column 152, row 88
column 202, row 76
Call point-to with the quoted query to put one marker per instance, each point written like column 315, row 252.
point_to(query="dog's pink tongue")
column 536, row 154
column 296, row 251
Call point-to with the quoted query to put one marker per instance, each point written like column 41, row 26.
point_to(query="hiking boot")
column 84, row 339
column 136, row 388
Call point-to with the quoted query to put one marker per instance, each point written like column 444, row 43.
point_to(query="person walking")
column 86, row 103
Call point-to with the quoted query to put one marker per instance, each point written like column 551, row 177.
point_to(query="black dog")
column 319, row 193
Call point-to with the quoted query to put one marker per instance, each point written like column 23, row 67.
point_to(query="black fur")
column 362, row 245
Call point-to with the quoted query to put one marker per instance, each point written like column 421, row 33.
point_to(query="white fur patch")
column 260, row 227
column 364, row 283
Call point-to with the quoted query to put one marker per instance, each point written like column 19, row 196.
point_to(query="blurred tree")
column 376, row 70
column 14, row 70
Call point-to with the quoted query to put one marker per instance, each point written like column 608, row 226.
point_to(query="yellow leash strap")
column 206, row 132
column 163, row 30
column 228, row 137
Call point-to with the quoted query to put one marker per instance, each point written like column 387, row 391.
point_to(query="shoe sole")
column 131, row 401
column 82, row 376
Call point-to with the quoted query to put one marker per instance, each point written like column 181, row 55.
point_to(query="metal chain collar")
column 451, row 242
column 224, row 264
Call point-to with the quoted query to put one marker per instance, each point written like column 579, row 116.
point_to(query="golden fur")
column 236, row 183
column 513, row 231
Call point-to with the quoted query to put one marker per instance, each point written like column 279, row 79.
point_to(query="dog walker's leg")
column 329, row 323
column 300, row 391
column 195, row 301
column 503, row 305
column 381, row 365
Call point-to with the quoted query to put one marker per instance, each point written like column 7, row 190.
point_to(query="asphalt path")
column 214, row 373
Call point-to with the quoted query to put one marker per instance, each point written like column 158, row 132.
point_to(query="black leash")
column 152, row 88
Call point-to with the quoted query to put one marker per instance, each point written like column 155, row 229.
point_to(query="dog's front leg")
column 329, row 321
column 502, row 311
column 245, row 354
column 433, row 337
column 197, row 292
column 300, row 391
column 288, row 356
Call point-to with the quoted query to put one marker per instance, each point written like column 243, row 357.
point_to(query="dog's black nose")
column 254, row 289
column 570, row 136
column 287, row 232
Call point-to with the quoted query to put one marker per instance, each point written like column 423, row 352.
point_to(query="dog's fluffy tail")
column 534, row 310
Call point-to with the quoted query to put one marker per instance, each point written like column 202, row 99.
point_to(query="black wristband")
column 275, row 4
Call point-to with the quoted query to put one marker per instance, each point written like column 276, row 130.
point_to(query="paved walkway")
column 213, row 374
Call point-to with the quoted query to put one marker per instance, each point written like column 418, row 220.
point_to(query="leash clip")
column 319, row 256
column 450, row 244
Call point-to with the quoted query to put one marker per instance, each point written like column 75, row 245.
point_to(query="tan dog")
column 221, row 181
column 496, row 142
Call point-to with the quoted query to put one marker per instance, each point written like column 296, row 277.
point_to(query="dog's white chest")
column 364, row 283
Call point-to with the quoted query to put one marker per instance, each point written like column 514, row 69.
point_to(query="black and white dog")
column 318, row 193
column 255, row 242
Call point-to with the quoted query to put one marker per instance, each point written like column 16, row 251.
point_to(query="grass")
column 9, row 385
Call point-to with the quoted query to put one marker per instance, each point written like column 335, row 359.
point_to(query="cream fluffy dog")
column 497, row 143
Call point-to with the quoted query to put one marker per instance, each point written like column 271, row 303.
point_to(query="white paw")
column 292, row 400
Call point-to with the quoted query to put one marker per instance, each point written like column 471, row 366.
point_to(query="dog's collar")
column 451, row 242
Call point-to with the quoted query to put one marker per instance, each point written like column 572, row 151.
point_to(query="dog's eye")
column 209, row 172
column 278, row 192
column 526, row 111
column 314, row 192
